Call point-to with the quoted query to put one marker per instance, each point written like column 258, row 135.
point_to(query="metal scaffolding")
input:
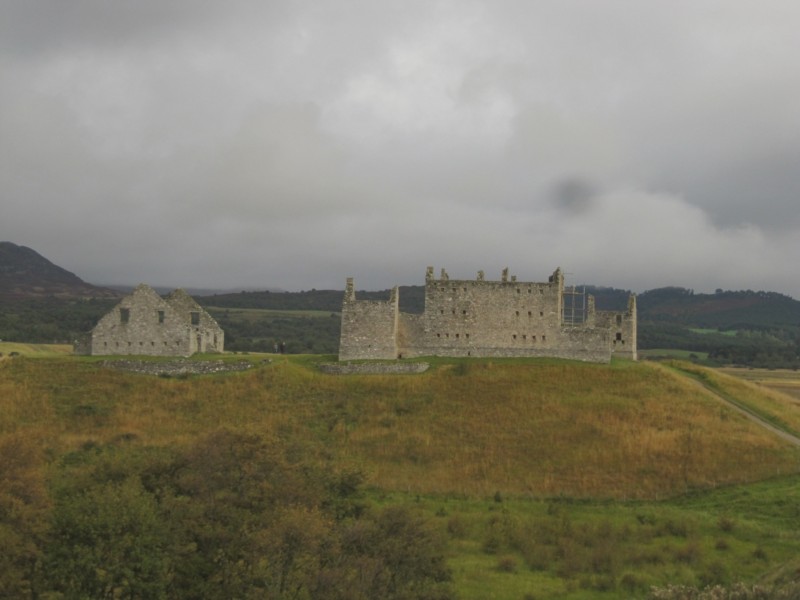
column 574, row 306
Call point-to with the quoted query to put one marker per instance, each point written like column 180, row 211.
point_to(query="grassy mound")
column 538, row 428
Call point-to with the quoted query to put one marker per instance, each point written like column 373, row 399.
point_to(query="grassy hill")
column 540, row 477
column 542, row 428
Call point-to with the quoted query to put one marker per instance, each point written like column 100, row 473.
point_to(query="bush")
column 507, row 564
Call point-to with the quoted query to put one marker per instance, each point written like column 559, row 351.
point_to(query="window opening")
column 161, row 316
column 124, row 315
column 195, row 318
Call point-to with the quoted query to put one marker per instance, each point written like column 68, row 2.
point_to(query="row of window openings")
column 456, row 335
column 105, row 344
column 125, row 316
column 513, row 336
column 140, row 343
column 464, row 312
column 519, row 291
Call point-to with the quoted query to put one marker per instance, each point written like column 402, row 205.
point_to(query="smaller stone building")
column 144, row 323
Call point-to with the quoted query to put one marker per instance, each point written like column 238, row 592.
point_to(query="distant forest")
column 753, row 328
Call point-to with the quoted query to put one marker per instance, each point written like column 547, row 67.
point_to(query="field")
column 542, row 478
column 782, row 380
column 39, row 350
column 661, row 353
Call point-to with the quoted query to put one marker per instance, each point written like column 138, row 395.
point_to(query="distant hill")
column 41, row 302
column 24, row 273
column 723, row 309
column 412, row 299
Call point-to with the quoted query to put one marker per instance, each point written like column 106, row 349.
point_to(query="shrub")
column 725, row 524
column 507, row 564
column 456, row 527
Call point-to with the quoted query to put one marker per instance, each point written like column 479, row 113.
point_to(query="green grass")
column 705, row 331
column 655, row 353
column 565, row 548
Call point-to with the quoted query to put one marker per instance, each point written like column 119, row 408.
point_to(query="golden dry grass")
column 541, row 428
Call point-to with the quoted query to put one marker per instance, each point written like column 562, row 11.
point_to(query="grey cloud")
column 49, row 26
column 573, row 195
column 293, row 143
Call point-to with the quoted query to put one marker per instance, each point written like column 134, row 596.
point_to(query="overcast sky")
column 291, row 144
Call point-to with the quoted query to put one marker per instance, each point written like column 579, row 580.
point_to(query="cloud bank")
column 292, row 144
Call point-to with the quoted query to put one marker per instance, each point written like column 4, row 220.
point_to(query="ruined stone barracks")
column 505, row 318
column 144, row 323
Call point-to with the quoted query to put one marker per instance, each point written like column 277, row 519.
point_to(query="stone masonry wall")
column 369, row 327
column 489, row 318
column 375, row 368
column 143, row 323
column 505, row 318
column 622, row 326
column 205, row 334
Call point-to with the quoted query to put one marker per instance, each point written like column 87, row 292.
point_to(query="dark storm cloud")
column 573, row 195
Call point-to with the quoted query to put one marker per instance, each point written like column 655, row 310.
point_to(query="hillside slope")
column 541, row 428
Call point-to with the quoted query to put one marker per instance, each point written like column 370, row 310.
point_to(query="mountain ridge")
column 26, row 273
